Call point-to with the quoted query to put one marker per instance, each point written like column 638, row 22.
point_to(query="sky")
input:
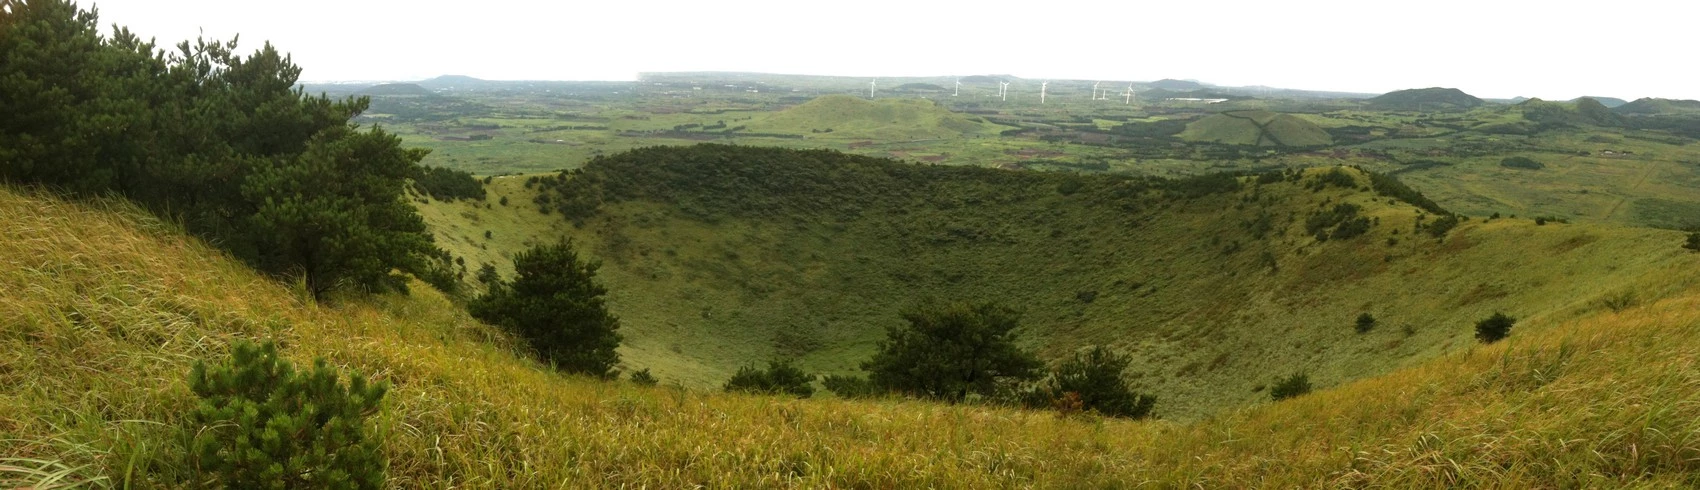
column 1489, row 48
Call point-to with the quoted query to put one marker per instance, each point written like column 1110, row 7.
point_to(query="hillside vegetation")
column 1432, row 98
column 882, row 119
column 104, row 309
column 718, row 257
column 1256, row 128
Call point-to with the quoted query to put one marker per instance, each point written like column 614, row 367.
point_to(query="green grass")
column 1256, row 128
column 1180, row 284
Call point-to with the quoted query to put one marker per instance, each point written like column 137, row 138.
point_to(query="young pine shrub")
column 780, row 378
column 1365, row 323
column 1494, row 328
column 556, row 305
column 644, row 378
column 1092, row 381
column 850, row 386
column 1693, row 243
column 1291, row 386
column 261, row 424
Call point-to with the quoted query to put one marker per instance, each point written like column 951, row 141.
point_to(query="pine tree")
column 1291, row 386
column 264, row 425
column 1095, row 379
column 1494, row 328
column 555, row 303
column 336, row 214
column 949, row 352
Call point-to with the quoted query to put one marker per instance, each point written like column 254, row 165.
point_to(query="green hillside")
column 882, row 119
column 1258, row 128
column 1654, row 106
column 721, row 256
column 1433, row 99
column 104, row 309
column 394, row 89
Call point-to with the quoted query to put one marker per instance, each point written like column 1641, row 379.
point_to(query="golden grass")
column 102, row 310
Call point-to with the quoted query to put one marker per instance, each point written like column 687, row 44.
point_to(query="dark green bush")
column 1340, row 223
column 261, row 424
column 1521, row 163
column 1337, row 178
column 644, row 378
column 444, row 184
column 1365, row 323
column 1092, row 381
column 1693, row 242
column 1390, row 186
column 780, row 378
column 1443, row 225
column 948, row 352
column 1494, row 328
column 1291, row 386
column 850, row 386
column 558, row 307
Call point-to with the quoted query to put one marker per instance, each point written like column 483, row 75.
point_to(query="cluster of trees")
column 961, row 351
column 1339, row 223
column 228, row 145
column 446, row 184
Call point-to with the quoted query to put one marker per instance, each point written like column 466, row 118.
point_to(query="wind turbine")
column 1095, row 90
column 1129, row 94
column 1003, row 91
column 958, row 88
column 1042, row 86
column 871, row 85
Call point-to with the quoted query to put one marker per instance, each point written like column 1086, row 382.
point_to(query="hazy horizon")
column 1492, row 50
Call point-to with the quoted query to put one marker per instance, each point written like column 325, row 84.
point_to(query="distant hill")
column 920, row 87
column 1651, row 106
column 1260, row 128
column 1159, row 94
column 984, row 79
column 396, row 89
column 1433, row 98
column 455, row 82
column 1611, row 102
column 1172, row 84
column 882, row 119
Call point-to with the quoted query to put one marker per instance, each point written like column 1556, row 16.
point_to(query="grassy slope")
column 102, row 312
column 880, row 120
column 1208, row 328
column 1243, row 128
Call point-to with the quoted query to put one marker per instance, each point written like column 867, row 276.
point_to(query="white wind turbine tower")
column 1042, row 86
column 1095, row 90
column 1129, row 94
column 871, row 86
column 1003, row 91
column 958, row 88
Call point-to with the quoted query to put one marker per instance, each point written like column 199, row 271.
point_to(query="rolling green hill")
column 883, row 119
column 1609, row 102
column 1432, row 99
column 1653, row 106
column 720, row 256
column 1259, row 128
column 396, row 89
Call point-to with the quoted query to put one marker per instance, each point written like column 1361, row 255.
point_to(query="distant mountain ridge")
column 1431, row 98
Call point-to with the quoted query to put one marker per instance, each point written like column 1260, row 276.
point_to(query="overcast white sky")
column 1489, row 48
